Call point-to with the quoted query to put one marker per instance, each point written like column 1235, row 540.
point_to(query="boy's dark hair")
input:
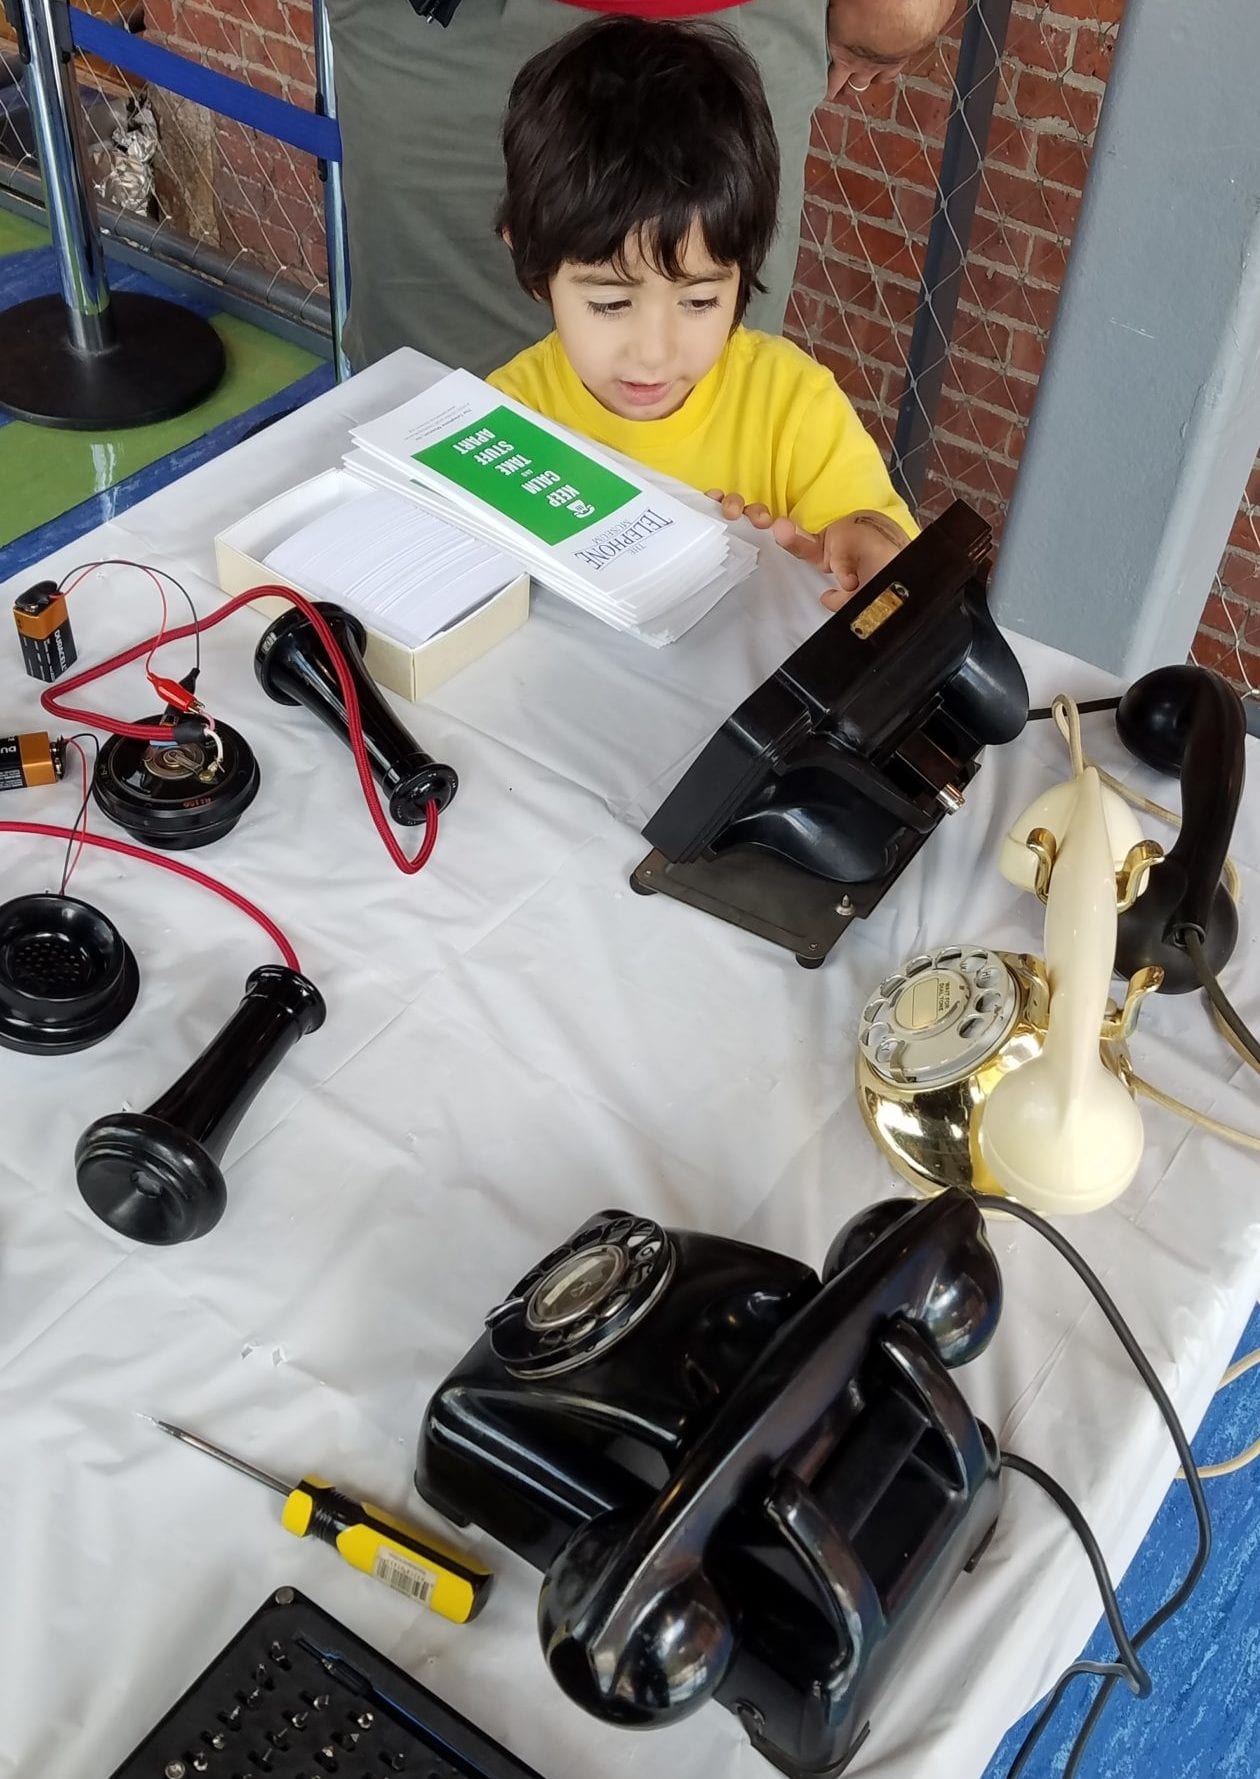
column 635, row 129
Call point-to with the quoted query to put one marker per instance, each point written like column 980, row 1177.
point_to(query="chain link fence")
column 112, row 104
column 193, row 187
column 15, row 149
column 258, row 201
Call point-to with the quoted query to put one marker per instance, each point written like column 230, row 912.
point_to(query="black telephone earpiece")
column 633, row 1617
column 1189, row 723
column 959, row 1308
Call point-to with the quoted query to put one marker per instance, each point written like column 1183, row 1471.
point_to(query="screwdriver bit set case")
column 297, row 1696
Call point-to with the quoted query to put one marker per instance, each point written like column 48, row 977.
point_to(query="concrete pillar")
column 1147, row 420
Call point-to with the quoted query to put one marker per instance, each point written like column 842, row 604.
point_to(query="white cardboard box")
column 413, row 673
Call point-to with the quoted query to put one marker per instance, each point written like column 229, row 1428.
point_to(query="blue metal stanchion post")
column 81, row 359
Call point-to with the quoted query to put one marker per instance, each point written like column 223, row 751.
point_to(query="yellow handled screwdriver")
column 368, row 1538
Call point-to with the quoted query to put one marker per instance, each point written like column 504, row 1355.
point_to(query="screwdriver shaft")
column 214, row 1451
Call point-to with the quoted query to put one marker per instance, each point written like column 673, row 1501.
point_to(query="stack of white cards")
column 406, row 573
column 586, row 526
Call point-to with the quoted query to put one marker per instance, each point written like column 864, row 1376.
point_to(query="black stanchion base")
column 163, row 361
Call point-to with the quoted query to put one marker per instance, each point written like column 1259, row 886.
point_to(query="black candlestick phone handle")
column 609, row 1593
column 155, row 1175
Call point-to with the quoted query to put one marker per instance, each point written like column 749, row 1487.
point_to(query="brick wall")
column 219, row 181
column 870, row 187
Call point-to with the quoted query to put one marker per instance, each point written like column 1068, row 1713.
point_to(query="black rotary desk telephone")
column 743, row 1480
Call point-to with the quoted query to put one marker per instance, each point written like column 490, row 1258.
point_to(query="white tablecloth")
column 515, row 1040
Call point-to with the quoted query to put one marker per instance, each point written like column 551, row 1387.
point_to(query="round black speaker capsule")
column 67, row 976
column 179, row 796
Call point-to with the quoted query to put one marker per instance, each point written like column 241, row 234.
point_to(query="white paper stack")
column 403, row 571
column 585, row 525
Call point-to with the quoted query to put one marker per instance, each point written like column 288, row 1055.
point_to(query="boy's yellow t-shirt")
column 766, row 422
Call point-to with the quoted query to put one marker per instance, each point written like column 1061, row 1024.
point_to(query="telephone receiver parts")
column 176, row 797
column 293, row 667
column 155, row 1176
column 1189, row 723
column 68, row 978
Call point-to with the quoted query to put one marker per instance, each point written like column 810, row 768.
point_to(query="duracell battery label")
column 43, row 625
column 27, row 760
column 11, row 778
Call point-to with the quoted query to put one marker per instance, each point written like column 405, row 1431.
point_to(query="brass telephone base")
column 935, row 1038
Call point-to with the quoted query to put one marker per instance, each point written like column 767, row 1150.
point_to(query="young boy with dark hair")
column 642, row 188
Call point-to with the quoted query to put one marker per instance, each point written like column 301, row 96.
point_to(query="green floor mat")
column 17, row 235
column 45, row 472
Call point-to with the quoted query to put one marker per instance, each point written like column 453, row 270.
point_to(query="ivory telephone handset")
column 1062, row 1132
column 1009, row 1073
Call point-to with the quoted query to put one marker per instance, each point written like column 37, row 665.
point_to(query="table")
column 515, row 1040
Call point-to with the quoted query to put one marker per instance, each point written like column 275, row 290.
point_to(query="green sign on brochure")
column 529, row 476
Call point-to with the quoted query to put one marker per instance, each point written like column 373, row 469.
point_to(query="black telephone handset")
column 633, row 1627
column 1189, row 723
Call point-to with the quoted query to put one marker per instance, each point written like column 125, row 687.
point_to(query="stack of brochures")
column 586, row 526
column 406, row 573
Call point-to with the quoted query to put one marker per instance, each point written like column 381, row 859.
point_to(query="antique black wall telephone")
column 744, row 1481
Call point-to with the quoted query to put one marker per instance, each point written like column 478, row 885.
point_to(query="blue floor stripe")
column 1202, row 1720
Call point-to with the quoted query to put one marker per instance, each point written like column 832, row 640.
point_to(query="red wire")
column 68, row 713
column 151, row 858
column 166, row 618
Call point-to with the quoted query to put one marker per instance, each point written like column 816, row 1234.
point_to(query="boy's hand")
column 733, row 507
column 851, row 549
